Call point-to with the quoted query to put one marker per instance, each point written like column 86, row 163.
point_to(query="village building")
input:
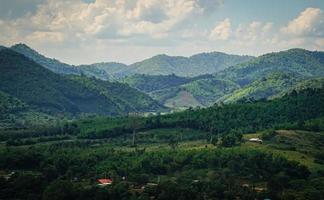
column 104, row 182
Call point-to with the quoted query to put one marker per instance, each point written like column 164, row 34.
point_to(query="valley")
column 162, row 135
column 161, row 100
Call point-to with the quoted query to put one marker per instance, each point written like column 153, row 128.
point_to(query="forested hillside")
column 264, row 77
column 50, row 63
column 53, row 93
column 176, row 156
column 220, row 119
column 264, row 88
column 199, row 64
column 294, row 61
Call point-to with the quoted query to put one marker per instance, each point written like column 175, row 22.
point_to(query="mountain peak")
column 21, row 45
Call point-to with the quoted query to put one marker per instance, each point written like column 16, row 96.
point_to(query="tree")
column 228, row 140
column 59, row 190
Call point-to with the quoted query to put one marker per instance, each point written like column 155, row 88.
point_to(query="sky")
column 89, row 31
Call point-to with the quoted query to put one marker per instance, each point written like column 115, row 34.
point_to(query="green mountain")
column 10, row 104
column 111, row 70
column 205, row 63
column 315, row 83
column 273, row 74
column 52, row 93
column 295, row 61
column 262, row 77
column 263, row 88
column 125, row 98
column 174, row 91
column 49, row 63
column 200, row 92
column 150, row 83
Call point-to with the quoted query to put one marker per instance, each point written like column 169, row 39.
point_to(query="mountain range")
column 28, row 86
column 199, row 64
column 264, row 77
column 49, row 86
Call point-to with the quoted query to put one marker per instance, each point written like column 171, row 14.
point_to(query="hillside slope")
column 205, row 63
column 263, row 88
column 53, row 93
column 49, row 63
column 295, row 61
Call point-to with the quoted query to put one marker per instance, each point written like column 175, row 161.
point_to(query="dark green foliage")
column 184, row 166
column 240, row 117
column 125, row 98
column 10, row 104
column 268, row 134
column 52, row 93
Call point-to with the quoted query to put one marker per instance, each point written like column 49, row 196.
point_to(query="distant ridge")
column 199, row 64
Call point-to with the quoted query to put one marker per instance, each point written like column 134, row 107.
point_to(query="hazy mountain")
column 53, row 93
column 205, row 63
column 150, row 83
column 49, row 63
column 105, row 70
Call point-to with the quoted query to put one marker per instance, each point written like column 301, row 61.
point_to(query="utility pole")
column 134, row 124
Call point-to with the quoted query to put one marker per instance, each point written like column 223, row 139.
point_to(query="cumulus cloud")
column 310, row 22
column 149, row 26
column 221, row 31
column 104, row 19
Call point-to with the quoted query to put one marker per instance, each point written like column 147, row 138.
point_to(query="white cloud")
column 310, row 22
column 222, row 30
column 104, row 19
column 146, row 27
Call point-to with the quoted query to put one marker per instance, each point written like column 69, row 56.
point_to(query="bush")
column 268, row 134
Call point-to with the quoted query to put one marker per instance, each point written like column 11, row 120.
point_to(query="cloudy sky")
column 87, row 31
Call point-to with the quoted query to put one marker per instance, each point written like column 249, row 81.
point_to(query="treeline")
column 40, row 131
column 289, row 111
column 215, row 174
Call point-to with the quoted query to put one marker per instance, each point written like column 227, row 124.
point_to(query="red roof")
column 105, row 181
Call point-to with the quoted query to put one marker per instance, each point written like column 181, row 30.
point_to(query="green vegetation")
column 199, row 64
column 294, row 61
column 265, row 77
column 44, row 91
column 55, row 142
column 151, row 83
column 49, row 63
column 105, row 71
column 265, row 88
column 195, row 154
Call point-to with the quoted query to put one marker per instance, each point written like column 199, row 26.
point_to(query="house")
column 104, row 182
column 257, row 140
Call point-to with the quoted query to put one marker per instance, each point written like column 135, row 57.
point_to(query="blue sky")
column 87, row 31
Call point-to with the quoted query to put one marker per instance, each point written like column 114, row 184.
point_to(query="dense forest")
column 195, row 154
column 53, row 94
